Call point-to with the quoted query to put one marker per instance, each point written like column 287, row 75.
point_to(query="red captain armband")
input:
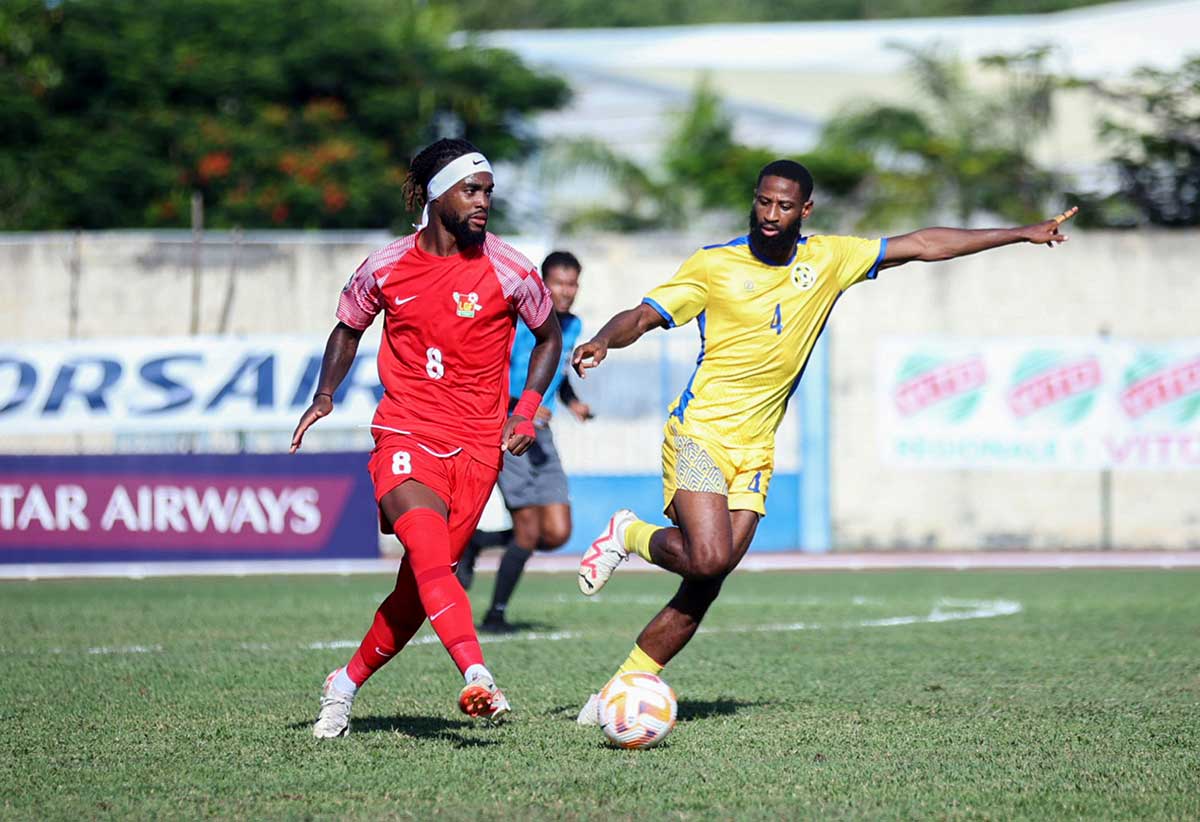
column 527, row 407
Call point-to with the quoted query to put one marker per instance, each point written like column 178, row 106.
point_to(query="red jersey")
column 447, row 332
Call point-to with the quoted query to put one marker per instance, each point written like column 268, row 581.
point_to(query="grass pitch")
column 835, row 695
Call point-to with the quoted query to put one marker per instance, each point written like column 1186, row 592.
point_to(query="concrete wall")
column 1141, row 285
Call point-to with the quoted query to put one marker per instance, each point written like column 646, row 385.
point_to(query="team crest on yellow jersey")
column 804, row 276
column 467, row 304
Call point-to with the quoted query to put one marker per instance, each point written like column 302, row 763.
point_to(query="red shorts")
column 463, row 483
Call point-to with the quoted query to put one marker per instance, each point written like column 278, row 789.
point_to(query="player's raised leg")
column 700, row 548
column 675, row 625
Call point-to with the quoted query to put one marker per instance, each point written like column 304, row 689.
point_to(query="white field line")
column 944, row 610
column 552, row 563
column 127, row 649
column 726, row 600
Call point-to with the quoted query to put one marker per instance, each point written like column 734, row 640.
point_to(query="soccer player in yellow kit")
column 760, row 302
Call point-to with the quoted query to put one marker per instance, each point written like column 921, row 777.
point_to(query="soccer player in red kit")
column 450, row 295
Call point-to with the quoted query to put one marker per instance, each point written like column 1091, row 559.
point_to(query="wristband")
column 527, row 406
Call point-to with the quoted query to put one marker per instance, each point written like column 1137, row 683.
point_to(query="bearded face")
column 774, row 240
column 466, row 229
column 463, row 210
column 780, row 205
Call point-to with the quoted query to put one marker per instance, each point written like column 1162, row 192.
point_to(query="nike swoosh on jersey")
column 406, row 299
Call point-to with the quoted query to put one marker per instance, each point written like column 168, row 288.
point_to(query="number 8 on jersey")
column 433, row 364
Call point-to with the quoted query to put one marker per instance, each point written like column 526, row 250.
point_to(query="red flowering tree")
column 282, row 113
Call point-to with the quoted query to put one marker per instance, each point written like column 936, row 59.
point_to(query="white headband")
column 457, row 169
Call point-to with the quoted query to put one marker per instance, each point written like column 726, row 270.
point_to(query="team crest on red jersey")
column 467, row 304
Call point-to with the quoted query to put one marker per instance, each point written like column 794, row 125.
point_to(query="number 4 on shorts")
column 755, row 484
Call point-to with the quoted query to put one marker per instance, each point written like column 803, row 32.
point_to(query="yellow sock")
column 639, row 660
column 637, row 539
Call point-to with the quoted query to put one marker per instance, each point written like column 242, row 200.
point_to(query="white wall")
column 1142, row 285
column 1139, row 284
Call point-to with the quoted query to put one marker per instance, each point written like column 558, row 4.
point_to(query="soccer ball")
column 637, row 710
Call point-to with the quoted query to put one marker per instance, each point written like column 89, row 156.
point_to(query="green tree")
column 1156, row 149
column 961, row 151
column 701, row 170
column 290, row 113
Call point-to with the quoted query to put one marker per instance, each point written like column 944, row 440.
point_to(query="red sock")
column 426, row 538
column 398, row 618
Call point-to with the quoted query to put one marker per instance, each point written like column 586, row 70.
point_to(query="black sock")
column 492, row 539
column 466, row 563
column 511, row 567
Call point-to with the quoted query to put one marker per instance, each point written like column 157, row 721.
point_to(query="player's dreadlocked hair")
column 428, row 162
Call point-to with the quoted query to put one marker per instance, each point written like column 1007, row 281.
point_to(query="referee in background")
column 533, row 485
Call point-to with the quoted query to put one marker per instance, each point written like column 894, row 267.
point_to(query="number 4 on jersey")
column 777, row 321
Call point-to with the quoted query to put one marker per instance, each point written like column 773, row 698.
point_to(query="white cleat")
column 482, row 699
column 605, row 553
column 334, row 718
column 590, row 715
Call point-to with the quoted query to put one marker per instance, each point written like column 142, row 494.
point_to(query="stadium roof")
column 781, row 80
column 1096, row 41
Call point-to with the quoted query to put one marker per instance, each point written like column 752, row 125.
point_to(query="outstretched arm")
column 934, row 244
column 543, row 361
column 340, row 350
column 622, row 330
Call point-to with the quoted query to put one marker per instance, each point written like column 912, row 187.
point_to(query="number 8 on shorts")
column 401, row 463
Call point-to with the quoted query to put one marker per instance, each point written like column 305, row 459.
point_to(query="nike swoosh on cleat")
column 588, row 581
column 406, row 299
column 439, row 613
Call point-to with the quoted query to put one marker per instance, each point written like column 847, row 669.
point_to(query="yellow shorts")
column 691, row 463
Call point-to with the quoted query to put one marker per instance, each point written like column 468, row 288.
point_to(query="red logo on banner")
column 1053, row 386
column 940, row 383
column 1159, row 389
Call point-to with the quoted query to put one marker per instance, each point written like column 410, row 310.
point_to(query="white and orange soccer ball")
column 637, row 710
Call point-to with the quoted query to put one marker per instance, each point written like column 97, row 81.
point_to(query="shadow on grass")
column 517, row 627
column 703, row 709
column 689, row 710
column 418, row 727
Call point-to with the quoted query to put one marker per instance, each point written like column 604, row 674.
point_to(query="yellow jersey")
column 758, row 323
